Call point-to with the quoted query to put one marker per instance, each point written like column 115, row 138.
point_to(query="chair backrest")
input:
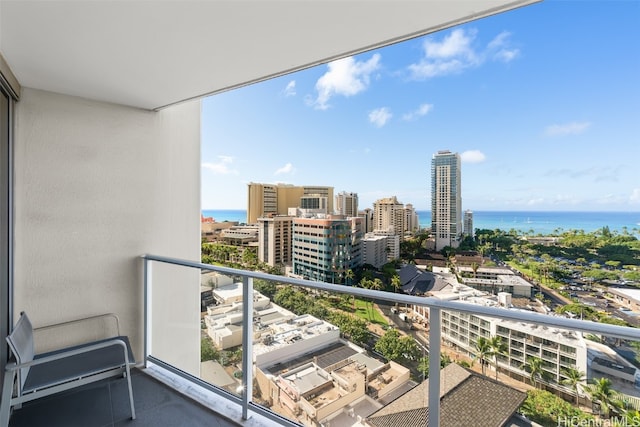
column 21, row 344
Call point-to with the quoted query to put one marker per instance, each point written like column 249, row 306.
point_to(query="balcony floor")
column 106, row 403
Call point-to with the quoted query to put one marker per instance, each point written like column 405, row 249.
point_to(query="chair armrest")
column 68, row 353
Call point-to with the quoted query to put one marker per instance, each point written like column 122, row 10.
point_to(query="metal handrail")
column 623, row 332
column 435, row 306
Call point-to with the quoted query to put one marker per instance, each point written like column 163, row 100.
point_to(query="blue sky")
column 542, row 103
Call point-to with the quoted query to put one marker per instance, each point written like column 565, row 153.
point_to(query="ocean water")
column 523, row 221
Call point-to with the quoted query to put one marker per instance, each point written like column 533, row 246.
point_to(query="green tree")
column 534, row 367
column 423, row 364
column 208, row 351
column 397, row 348
column 396, row 283
column 574, row 377
column 349, row 275
column 483, row 352
column 497, row 347
column 547, row 409
column 601, row 392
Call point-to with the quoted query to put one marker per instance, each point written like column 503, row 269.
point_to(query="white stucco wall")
column 96, row 186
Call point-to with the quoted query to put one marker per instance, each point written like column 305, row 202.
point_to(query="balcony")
column 169, row 390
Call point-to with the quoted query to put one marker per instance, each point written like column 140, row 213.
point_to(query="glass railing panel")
column 221, row 330
column 173, row 316
column 317, row 355
column 327, row 361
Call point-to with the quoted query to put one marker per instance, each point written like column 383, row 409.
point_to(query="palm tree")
column 600, row 391
column 474, row 267
column 574, row 377
column 483, row 351
column 349, row 276
column 364, row 284
column 498, row 347
column 534, row 368
column 376, row 285
column 395, row 283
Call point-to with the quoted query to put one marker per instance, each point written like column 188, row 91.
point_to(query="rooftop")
column 458, row 387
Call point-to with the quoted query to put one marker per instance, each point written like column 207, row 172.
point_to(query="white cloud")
column 380, row 116
column 634, row 198
column 472, row 156
column 456, row 53
column 288, row 168
column 346, row 77
column 573, row 128
column 534, row 202
column 222, row 167
column 500, row 48
column 422, row 110
column 451, row 55
column 290, row 90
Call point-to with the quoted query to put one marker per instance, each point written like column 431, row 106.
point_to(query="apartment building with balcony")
column 391, row 216
column 558, row 348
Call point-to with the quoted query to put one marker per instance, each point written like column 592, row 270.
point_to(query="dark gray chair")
column 33, row 376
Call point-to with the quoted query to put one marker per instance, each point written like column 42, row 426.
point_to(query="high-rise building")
column 275, row 240
column 374, row 250
column 468, row 223
column 388, row 215
column 314, row 202
column 411, row 222
column 276, row 199
column 347, row 204
column 367, row 217
column 446, row 199
column 325, row 248
column 391, row 216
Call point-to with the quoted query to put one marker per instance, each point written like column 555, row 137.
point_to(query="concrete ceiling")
column 151, row 54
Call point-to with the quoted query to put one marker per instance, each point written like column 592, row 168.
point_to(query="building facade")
column 275, row 236
column 391, row 216
column 374, row 250
column 367, row 217
column 468, row 223
column 347, row 204
column 558, row 348
column 325, row 248
column 446, row 199
column 275, row 199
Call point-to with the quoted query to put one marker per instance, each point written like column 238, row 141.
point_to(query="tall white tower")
column 446, row 199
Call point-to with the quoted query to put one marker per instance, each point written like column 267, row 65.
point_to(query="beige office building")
column 275, row 199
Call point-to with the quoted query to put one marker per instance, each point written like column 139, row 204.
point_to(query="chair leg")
column 133, row 409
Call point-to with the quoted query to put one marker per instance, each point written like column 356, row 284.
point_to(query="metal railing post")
column 247, row 344
column 147, row 310
column 434, row 367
